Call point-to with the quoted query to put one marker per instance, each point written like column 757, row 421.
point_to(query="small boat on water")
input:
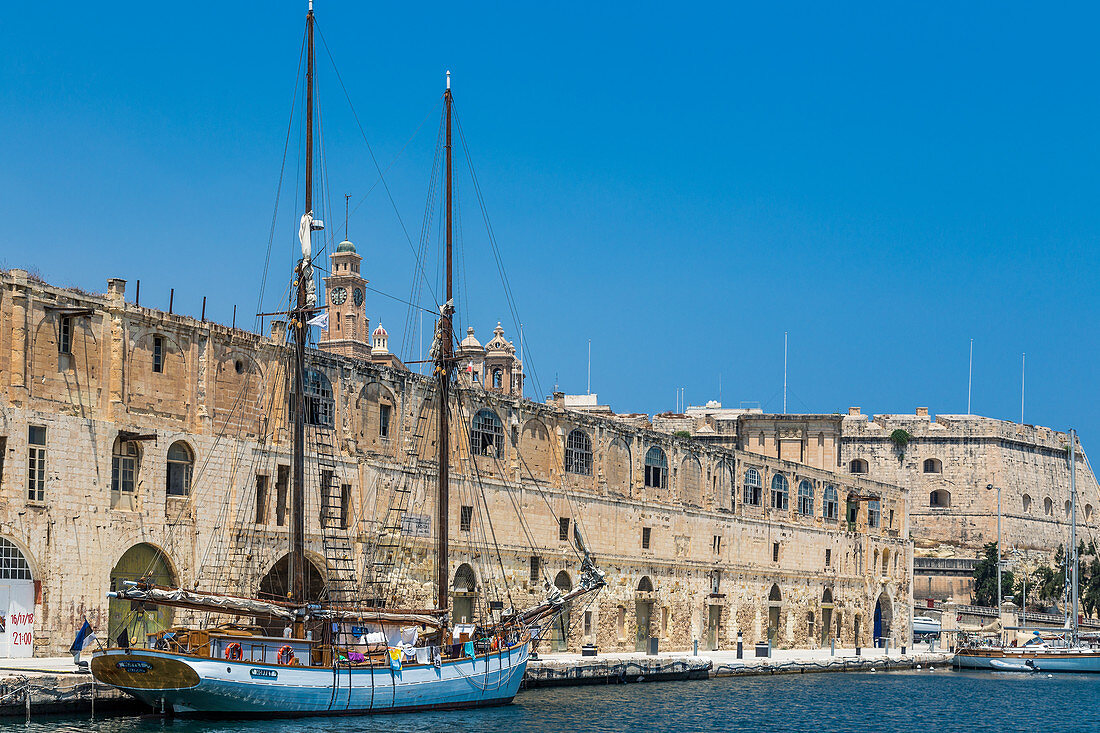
column 1065, row 652
column 925, row 625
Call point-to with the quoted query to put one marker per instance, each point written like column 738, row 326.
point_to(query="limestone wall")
column 222, row 392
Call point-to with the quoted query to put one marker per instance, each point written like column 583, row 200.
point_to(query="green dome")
column 345, row 246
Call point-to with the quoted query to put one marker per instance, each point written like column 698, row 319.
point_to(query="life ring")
column 286, row 655
column 234, row 652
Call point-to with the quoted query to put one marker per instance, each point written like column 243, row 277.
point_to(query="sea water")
column 910, row 701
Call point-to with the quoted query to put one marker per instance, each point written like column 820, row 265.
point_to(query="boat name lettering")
column 270, row 674
column 133, row 665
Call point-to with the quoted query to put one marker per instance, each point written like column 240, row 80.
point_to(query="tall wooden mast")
column 443, row 373
column 301, row 335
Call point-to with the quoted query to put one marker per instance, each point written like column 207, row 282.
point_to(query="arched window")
column 857, row 465
column 656, row 469
column 180, row 463
column 578, row 453
column 1048, row 507
column 830, row 504
column 320, row 407
column 465, row 581
column 805, row 498
column 1088, row 512
column 754, row 487
column 125, row 459
column 1065, row 508
column 13, row 566
column 486, row 434
column 1027, row 502
column 498, row 378
column 933, row 465
column 886, row 562
column 645, row 585
column 779, row 492
column 939, row 498
column 562, row 582
column 774, row 595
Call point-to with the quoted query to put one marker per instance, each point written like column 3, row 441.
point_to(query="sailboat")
column 1067, row 652
column 335, row 656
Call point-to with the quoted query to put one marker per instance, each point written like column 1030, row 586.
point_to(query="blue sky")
column 678, row 183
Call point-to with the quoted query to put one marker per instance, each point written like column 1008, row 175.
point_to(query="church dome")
column 380, row 331
column 345, row 246
column 470, row 342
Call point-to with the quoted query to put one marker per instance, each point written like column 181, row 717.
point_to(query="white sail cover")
column 190, row 599
column 305, row 231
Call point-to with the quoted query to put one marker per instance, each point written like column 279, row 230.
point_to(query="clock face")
column 357, row 296
column 339, row 295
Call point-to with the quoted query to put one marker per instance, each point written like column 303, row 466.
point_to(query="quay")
column 627, row 667
column 48, row 685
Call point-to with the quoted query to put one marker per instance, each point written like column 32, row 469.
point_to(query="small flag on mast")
column 85, row 637
column 320, row 320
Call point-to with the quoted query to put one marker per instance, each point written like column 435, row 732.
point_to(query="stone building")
column 946, row 462
column 136, row 442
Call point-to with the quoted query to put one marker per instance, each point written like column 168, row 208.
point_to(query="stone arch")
column 857, row 465
column 691, row 481
column 617, row 467
column 563, row 582
column 163, row 392
column 465, row 580
column 939, row 498
column 534, row 450
column 883, row 619
column 377, row 423
column 1027, row 502
column 722, row 485
column 239, row 394
column 179, row 468
column 645, row 585
column 932, row 465
column 775, row 614
column 826, row 616
column 72, row 377
column 275, row 584
column 144, row 562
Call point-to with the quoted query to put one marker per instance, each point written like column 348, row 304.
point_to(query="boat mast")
column 1071, row 556
column 443, row 374
column 301, row 335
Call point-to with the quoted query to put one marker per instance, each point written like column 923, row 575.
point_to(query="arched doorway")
column 16, row 602
column 465, row 587
column 884, row 617
column 146, row 563
column 643, row 613
column 826, row 617
column 276, row 584
column 775, row 605
column 560, row 637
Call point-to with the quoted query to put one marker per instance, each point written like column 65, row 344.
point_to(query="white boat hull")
column 1018, row 660
column 193, row 685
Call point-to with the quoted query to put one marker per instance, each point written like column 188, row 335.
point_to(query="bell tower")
column 348, row 325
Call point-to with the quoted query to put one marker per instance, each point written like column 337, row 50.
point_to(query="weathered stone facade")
column 693, row 541
column 946, row 464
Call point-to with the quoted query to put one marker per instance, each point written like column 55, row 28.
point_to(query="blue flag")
column 85, row 637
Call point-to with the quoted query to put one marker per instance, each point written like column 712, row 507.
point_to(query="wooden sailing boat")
column 334, row 657
column 1066, row 653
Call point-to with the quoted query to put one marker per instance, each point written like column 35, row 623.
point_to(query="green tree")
column 682, row 434
column 985, row 578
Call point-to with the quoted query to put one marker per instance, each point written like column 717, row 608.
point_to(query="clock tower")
column 348, row 326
